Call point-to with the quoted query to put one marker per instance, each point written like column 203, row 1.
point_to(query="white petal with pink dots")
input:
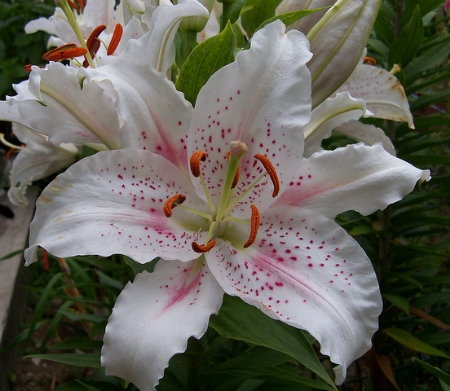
column 305, row 270
column 116, row 207
column 356, row 177
column 153, row 318
column 262, row 99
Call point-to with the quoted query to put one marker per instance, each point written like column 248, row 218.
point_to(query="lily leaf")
column 243, row 322
column 413, row 343
column 204, row 60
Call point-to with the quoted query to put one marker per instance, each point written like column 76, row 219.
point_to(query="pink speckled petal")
column 153, row 318
column 356, row 177
column 306, row 271
column 261, row 99
column 155, row 115
column 112, row 203
column 382, row 92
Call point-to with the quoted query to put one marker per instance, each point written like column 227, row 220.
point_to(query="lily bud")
column 337, row 42
column 197, row 23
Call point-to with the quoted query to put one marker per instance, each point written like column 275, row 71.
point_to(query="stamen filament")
column 203, row 248
column 243, row 194
column 172, row 202
column 64, row 5
column 254, row 225
column 8, row 144
column 271, row 171
column 195, row 211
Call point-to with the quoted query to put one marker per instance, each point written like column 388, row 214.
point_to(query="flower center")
column 228, row 199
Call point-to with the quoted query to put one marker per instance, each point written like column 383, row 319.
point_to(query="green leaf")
column 243, row 322
column 91, row 360
column 256, row 12
column 407, row 45
column 204, row 60
column 235, row 10
column 108, row 281
column 429, row 58
column 79, row 343
column 88, row 387
column 139, row 267
column 42, row 303
column 78, row 316
column 413, row 343
column 441, row 375
column 290, row 17
column 250, row 385
column 398, row 301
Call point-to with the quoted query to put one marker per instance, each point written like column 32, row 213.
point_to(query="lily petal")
column 264, row 106
column 39, row 159
column 156, row 48
column 153, row 318
column 356, row 177
column 156, row 115
column 382, row 92
column 123, row 213
column 329, row 114
column 368, row 134
column 99, row 12
column 60, row 103
column 305, row 270
column 337, row 41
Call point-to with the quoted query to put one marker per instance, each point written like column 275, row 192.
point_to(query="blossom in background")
column 38, row 159
column 264, row 231
column 98, row 106
column 345, row 89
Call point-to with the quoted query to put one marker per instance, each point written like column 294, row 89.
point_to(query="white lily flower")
column 264, row 232
column 95, row 13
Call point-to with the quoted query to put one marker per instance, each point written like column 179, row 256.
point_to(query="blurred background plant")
column 408, row 244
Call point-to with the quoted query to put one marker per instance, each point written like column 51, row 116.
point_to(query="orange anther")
column 28, row 67
column 203, row 248
column 73, row 5
column 94, row 35
column 172, row 202
column 370, row 61
column 81, row 3
column 115, row 39
column 64, row 52
column 271, row 171
column 196, row 158
column 254, row 225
